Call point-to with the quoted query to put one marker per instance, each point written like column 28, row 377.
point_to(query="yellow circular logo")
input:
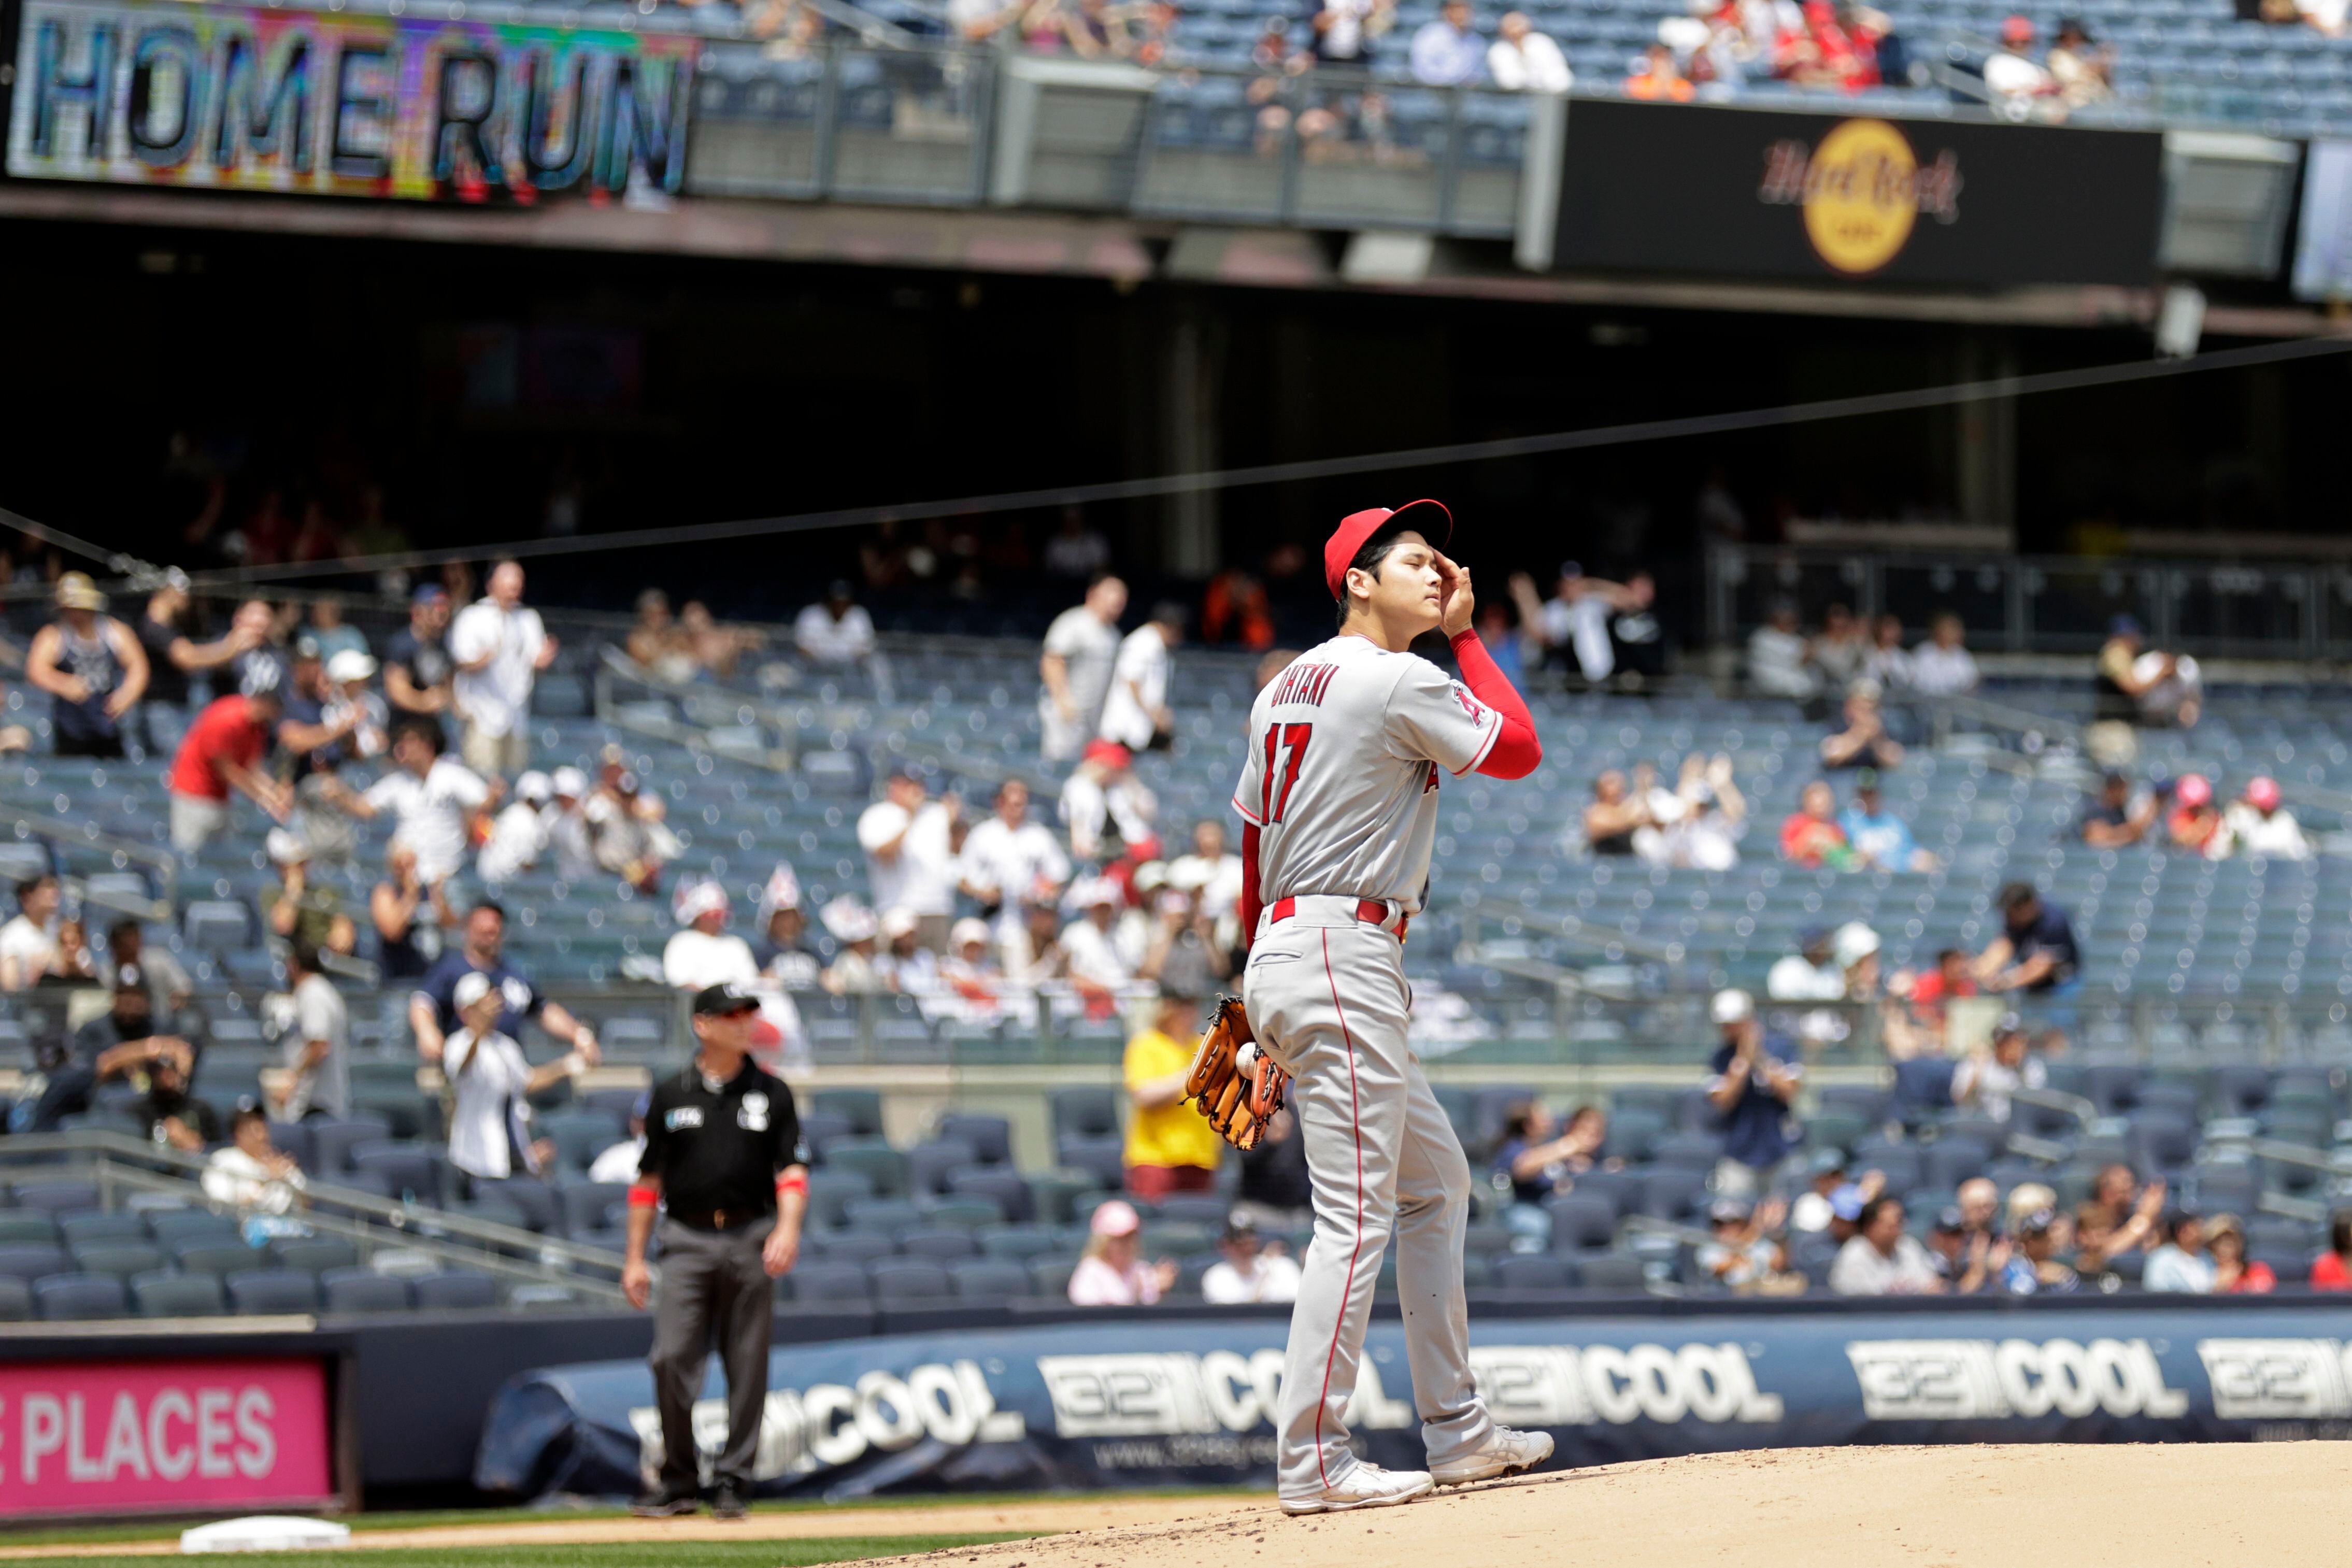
column 1861, row 195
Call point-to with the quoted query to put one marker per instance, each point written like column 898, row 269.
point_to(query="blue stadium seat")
column 272, row 1290
column 63, row 1296
column 169, row 1295
column 455, row 1290
column 363, row 1291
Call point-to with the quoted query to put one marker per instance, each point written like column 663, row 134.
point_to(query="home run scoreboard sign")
column 1740, row 193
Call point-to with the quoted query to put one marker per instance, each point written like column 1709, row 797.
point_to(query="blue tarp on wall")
column 1160, row 1401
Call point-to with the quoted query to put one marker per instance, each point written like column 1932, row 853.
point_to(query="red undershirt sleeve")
column 1251, row 902
column 1516, row 751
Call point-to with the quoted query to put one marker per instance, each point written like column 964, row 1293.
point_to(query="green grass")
column 617, row 1554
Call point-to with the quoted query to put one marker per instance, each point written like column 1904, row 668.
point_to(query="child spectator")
column 1811, row 835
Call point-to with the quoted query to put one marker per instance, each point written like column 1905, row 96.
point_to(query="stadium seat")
column 272, row 1290
column 861, row 1108
column 73, row 1297
column 886, row 1214
column 580, row 1136
column 928, row 1165
column 1016, row 1242
column 534, row 1200
column 1616, row 1271
column 1103, row 1157
column 99, row 1228
column 849, row 1245
column 171, row 1227
column 121, row 1259
column 989, row 1279
column 829, row 1283
column 1052, row 1277
column 1089, row 1113
column 456, row 1290
column 56, row 1197
column 830, row 1191
column 1530, row 1271
column 16, row 1300
column 908, row 1281
column 990, row 1137
column 363, row 1291
column 884, row 1168
column 167, row 1295
column 28, row 1226
column 314, row 1255
column 1581, row 1224
column 939, row 1243
column 585, row 1204
column 332, row 1139
column 414, row 1171
column 996, row 1185
column 207, row 1255
column 31, row 1260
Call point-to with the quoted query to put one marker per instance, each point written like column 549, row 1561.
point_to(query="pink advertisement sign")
column 100, row 1436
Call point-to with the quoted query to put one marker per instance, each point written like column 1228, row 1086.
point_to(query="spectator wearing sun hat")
column 2262, row 827
column 2195, row 823
column 94, row 668
column 853, row 972
column 1111, row 1274
column 349, row 705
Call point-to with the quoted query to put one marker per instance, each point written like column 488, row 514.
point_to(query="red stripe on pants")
column 1356, row 1126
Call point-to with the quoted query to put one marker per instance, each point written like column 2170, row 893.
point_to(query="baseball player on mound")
column 1339, row 796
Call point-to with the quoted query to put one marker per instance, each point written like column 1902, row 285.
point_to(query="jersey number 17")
column 1288, row 744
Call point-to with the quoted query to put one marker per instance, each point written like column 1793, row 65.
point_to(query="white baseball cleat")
column 1366, row 1486
column 1505, row 1452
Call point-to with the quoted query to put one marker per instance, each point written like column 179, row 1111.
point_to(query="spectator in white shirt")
column 434, row 798
column 1075, row 550
column 1103, row 797
column 838, row 634
column 318, row 1047
column 498, row 647
column 1447, row 51
column 519, row 832
column 491, row 1084
column 1881, row 1258
column 28, row 943
column 1887, row 663
column 569, row 837
column 1779, row 659
column 908, row 863
column 1217, row 874
column 1080, row 648
column 1942, row 666
column 1249, row 1271
column 1136, row 710
column 619, row 1163
column 905, row 965
column 250, row 1174
column 1097, row 965
column 2013, row 77
column 1008, row 860
column 703, row 951
column 1811, row 974
column 2261, row 825
column 1521, row 59
column 854, row 972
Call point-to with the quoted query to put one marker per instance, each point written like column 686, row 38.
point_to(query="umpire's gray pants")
column 712, row 1287
column 1329, row 1000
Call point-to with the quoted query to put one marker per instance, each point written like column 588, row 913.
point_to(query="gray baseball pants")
column 1327, row 996
column 712, row 1287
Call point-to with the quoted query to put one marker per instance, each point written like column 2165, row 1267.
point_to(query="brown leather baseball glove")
column 1232, row 1082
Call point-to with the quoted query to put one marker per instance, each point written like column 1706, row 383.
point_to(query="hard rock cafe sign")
column 1862, row 189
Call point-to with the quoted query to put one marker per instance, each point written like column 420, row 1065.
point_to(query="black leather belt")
column 720, row 1219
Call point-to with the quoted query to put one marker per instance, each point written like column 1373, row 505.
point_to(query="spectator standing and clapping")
column 436, row 801
column 2119, row 818
column 1811, row 835
column 1081, row 647
column 1942, row 666
column 1573, row 624
column 1864, row 742
column 491, row 1084
column 417, row 667
column 1879, row 836
column 1881, row 1258
column 28, row 943
column 1521, row 59
column 409, row 915
column 94, row 668
column 223, row 751
column 2036, row 950
column 2137, row 685
column 1010, row 861
column 1779, row 659
column 1110, row 1274
column 318, row 1047
column 908, row 863
column 517, row 834
column 1135, row 710
column 432, row 1007
column 498, row 646
column 252, row 1175
column 2264, row 827
column 1447, row 50
column 1252, row 1270
column 1752, row 1087
column 1171, row 1147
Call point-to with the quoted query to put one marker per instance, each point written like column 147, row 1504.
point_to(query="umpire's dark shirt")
column 717, row 1152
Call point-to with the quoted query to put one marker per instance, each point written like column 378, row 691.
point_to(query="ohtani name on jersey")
column 1305, row 684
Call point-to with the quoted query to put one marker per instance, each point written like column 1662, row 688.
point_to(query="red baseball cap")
column 1358, row 526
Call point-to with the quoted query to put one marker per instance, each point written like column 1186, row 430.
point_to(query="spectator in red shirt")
column 2194, row 820
column 1811, row 835
column 2333, row 1271
column 222, row 749
column 2225, row 1241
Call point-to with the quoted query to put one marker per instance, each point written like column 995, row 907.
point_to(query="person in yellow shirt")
column 1171, row 1147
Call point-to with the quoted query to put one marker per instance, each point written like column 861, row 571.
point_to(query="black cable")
column 1313, row 468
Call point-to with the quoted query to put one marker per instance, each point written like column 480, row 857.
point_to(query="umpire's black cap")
column 723, row 1000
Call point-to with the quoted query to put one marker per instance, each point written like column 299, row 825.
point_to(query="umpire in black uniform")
column 723, row 1159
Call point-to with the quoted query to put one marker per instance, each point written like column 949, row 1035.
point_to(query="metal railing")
column 2056, row 605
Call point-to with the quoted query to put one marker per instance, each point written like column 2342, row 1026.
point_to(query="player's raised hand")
column 1456, row 604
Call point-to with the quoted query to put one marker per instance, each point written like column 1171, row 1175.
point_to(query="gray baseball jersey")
column 1342, row 779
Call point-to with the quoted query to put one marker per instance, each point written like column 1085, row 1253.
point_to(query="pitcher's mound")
column 2279, row 1505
